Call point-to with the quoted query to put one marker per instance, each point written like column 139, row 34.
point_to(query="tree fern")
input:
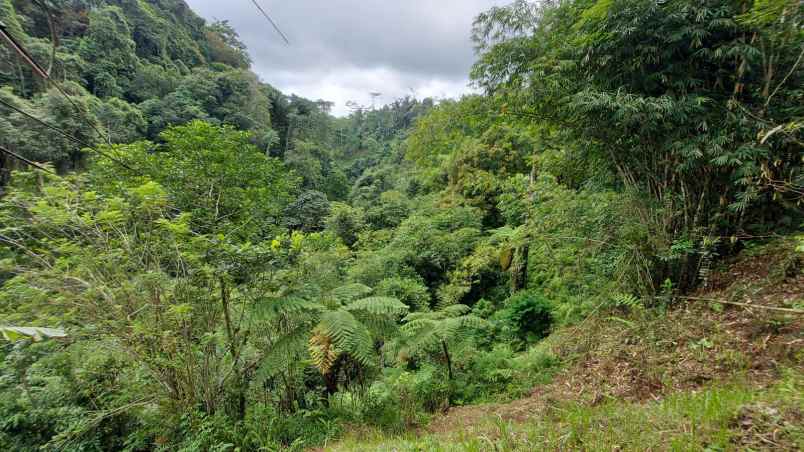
column 322, row 351
column 351, row 292
column 282, row 354
column 351, row 327
column 379, row 306
column 437, row 331
column 341, row 332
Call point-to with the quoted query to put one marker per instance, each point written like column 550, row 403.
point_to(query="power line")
column 285, row 38
column 45, row 124
column 67, row 135
column 21, row 51
column 25, row 160
column 26, row 56
column 42, row 73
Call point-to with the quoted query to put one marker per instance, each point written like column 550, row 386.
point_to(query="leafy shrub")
column 264, row 428
column 403, row 398
column 49, row 395
column 484, row 374
column 389, row 211
column 215, row 433
column 407, row 290
column 302, row 428
column 384, row 408
column 308, row 211
column 346, row 222
column 501, row 373
column 526, row 318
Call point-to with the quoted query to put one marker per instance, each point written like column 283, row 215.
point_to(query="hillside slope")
column 699, row 375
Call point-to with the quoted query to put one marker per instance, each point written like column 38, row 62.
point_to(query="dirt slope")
column 640, row 359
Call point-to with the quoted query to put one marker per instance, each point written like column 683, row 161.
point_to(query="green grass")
column 708, row 420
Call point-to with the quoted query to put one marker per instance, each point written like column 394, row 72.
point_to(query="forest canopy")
column 192, row 260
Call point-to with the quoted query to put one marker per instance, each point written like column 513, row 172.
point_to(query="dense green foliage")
column 236, row 268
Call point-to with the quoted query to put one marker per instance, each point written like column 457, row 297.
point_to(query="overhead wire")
column 67, row 135
column 42, row 73
column 16, row 46
column 72, row 138
column 273, row 24
column 26, row 161
column 26, row 56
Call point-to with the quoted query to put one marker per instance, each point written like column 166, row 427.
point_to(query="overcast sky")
column 341, row 50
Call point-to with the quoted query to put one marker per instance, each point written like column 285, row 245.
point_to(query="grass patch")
column 720, row 417
column 687, row 376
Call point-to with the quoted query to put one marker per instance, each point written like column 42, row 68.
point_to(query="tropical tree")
column 125, row 267
column 682, row 100
column 213, row 173
column 438, row 332
column 351, row 324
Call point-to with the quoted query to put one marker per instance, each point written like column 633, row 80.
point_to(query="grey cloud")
column 346, row 48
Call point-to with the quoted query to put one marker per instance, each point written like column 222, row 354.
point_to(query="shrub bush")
column 410, row 291
column 403, row 399
column 526, row 318
column 501, row 373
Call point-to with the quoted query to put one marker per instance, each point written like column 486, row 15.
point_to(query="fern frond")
column 322, row 351
column 288, row 306
column 506, row 234
column 351, row 292
column 426, row 341
column 381, row 306
column 430, row 315
column 625, row 300
column 380, row 326
column 282, row 354
column 456, row 310
column 416, row 325
column 361, row 347
column 339, row 325
column 347, row 334
column 502, row 234
column 472, row 321
column 449, row 328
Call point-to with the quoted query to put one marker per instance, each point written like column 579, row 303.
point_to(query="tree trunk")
column 331, row 377
column 449, row 361
column 519, row 268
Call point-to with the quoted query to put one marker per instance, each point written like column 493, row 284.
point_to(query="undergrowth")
column 718, row 418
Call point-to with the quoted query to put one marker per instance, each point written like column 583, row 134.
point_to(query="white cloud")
column 341, row 50
column 344, row 84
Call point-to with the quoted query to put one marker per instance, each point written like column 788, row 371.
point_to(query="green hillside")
column 600, row 250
